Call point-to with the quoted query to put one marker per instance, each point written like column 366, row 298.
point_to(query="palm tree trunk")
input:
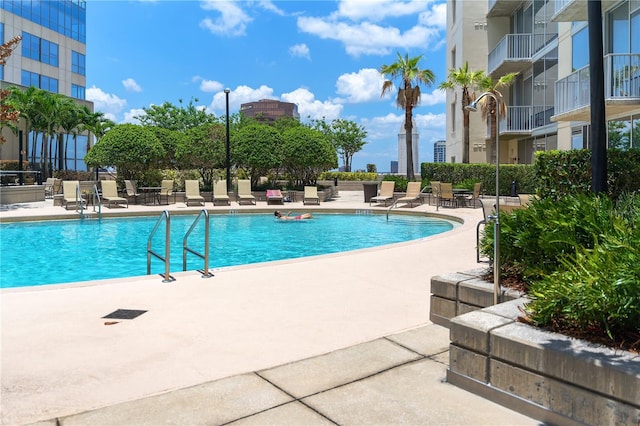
column 408, row 127
column 465, row 134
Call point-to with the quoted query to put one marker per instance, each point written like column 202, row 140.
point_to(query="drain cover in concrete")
column 125, row 314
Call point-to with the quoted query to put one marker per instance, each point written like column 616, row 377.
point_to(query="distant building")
column 269, row 110
column 394, row 167
column 440, row 151
column 402, row 150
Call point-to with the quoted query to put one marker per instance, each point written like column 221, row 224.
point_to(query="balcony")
column 511, row 54
column 502, row 7
column 575, row 10
column 522, row 120
column 621, row 89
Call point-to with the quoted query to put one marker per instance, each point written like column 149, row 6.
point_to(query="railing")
column 542, row 40
column 167, row 249
column 622, row 81
column 525, row 118
column 512, row 47
column 186, row 248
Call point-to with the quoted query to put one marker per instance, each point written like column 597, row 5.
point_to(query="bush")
column 348, row 176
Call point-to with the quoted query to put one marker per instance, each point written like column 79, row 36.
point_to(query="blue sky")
column 324, row 56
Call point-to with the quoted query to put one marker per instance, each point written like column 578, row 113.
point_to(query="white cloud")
column 309, row 107
column 357, row 10
column 369, row 39
column 436, row 97
column 238, row 96
column 363, row 86
column 105, row 102
column 435, row 17
column 300, row 50
column 268, row 5
column 210, row 86
column 231, row 22
column 130, row 85
column 129, row 116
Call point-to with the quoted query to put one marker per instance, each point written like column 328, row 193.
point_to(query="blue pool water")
column 68, row 251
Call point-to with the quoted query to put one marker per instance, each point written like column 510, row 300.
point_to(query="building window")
column 29, row 79
column 68, row 17
column 453, row 118
column 39, row 49
column 453, row 57
column 78, row 63
column 580, row 55
column 77, row 92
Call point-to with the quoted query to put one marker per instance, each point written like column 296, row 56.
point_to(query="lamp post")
column 496, row 227
column 228, row 163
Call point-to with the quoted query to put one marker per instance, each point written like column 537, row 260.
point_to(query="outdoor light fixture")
column 473, row 106
column 226, row 93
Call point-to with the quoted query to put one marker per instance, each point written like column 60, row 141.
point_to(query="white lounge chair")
column 220, row 194
column 386, row 192
column 244, row 192
column 192, row 192
column 310, row 195
column 110, row 193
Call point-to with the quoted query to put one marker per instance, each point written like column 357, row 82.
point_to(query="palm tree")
column 408, row 95
column 488, row 107
column 22, row 101
column 47, row 105
column 468, row 81
column 70, row 121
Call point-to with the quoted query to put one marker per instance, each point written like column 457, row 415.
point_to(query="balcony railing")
column 512, row 47
column 523, row 119
column 561, row 4
column 621, row 80
column 542, row 40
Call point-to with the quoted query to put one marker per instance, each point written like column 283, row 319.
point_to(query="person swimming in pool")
column 280, row 216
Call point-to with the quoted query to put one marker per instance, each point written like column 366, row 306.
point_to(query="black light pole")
column 226, row 93
column 598, row 133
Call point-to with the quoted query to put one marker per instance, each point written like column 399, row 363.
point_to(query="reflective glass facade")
column 65, row 17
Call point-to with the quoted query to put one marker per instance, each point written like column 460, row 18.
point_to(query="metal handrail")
column 96, row 197
column 167, row 249
column 79, row 200
column 185, row 248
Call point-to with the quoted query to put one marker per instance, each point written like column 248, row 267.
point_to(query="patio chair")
column 192, row 192
column 446, row 195
column 220, row 194
column 166, row 190
column 274, row 196
column 48, row 187
column 71, row 194
column 475, row 196
column 386, row 192
column 310, row 195
column 131, row 190
column 412, row 194
column 244, row 192
column 110, row 193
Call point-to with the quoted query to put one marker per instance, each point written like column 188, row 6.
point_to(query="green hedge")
column 523, row 174
column 561, row 173
column 348, row 176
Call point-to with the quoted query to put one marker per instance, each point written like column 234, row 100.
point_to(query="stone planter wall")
column 21, row 194
column 547, row 376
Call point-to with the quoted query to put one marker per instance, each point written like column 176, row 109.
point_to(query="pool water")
column 68, row 251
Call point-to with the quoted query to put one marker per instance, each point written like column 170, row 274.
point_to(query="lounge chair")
column 48, row 187
column 274, row 196
column 413, row 194
column 244, row 192
column 110, row 193
column 386, row 192
column 220, row 193
column 311, row 195
column 166, row 190
column 132, row 190
column 71, row 194
column 192, row 192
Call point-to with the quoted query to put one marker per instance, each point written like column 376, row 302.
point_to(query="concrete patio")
column 334, row 339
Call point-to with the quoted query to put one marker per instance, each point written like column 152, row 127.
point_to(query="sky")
column 324, row 56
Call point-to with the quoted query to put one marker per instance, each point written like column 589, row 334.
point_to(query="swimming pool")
column 51, row 252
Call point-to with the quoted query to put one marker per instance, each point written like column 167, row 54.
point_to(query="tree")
column 258, row 149
column 348, row 138
column 47, row 106
column 203, row 148
column 488, row 107
column 407, row 70
column 467, row 80
column 8, row 113
column 174, row 117
column 306, row 154
column 70, row 119
column 131, row 148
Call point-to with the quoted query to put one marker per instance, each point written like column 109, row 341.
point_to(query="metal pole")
column 496, row 226
column 598, row 132
column 20, row 159
column 226, row 92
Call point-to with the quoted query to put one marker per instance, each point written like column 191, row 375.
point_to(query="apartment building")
column 52, row 57
column 440, row 152
column 546, row 43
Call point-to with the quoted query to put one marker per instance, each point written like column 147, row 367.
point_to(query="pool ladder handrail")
column 185, row 245
column 167, row 249
column 96, row 200
column 396, row 202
